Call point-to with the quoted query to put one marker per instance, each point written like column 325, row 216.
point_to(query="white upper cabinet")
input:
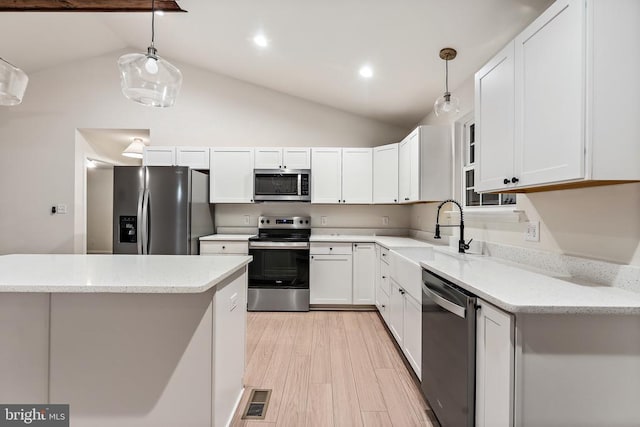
column 357, row 175
column 495, row 97
column 385, row 174
column 159, row 156
column 326, row 175
column 231, row 175
column 550, row 96
column 296, row 158
column 425, row 165
column 282, row 158
column 341, row 175
column 268, row 158
column 194, row 157
column 570, row 126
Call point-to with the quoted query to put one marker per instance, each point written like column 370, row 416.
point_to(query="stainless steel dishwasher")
column 448, row 350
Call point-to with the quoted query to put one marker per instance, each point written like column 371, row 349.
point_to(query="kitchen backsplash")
column 322, row 216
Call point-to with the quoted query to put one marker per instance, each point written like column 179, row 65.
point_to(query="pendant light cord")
column 446, row 76
column 153, row 21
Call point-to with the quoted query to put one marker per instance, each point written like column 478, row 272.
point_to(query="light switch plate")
column 533, row 231
column 385, row 220
column 323, row 220
column 247, row 219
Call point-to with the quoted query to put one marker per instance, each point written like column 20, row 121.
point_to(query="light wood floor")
column 329, row 368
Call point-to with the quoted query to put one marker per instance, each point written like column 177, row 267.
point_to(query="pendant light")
column 134, row 150
column 13, row 83
column 447, row 104
column 147, row 78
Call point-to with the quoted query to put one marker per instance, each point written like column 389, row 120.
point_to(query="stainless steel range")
column 279, row 273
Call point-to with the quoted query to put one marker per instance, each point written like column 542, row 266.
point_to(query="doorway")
column 97, row 152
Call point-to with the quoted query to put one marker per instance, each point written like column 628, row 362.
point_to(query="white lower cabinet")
column 223, row 247
column 405, row 324
column 342, row 273
column 494, row 367
column 396, row 313
column 412, row 339
column 364, row 258
column 382, row 304
column 330, row 279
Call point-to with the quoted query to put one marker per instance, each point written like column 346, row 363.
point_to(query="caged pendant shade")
column 148, row 79
column 13, row 83
column 447, row 104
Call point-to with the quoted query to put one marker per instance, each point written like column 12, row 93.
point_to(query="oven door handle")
column 445, row 303
column 279, row 245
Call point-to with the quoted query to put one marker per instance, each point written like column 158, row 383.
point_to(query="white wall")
column 100, row 210
column 39, row 164
column 599, row 222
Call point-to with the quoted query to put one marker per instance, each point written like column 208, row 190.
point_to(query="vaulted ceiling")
column 315, row 48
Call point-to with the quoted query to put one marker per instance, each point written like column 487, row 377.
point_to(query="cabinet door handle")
column 285, row 166
column 383, row 306
column 330, row 249
column 395, row 200
column 406, row 198
column 355, row 244
column 344, row 201
column 514, row 180
column 384, row 277
column 506, row 181
column 311, row 256
column 224, row 247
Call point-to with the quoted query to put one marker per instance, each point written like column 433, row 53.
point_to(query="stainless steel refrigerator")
column 160, row 210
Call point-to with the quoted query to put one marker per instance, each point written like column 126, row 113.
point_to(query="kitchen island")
column 125, row 339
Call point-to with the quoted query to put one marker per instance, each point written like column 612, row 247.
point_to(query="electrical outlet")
column 323, row 220
column 533, row 231
column 385, row 220
column 247, row 219
column 62, row 209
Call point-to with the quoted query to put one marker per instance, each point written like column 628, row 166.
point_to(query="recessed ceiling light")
column 366, row 71
column 260, row 40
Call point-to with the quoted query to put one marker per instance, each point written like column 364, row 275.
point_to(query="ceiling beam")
column 87, row 6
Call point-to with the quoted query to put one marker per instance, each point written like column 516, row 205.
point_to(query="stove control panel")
column 284, row 222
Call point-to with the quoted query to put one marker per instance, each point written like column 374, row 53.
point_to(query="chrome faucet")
column 462, row 246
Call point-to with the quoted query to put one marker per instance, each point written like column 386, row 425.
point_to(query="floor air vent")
column 257, row 405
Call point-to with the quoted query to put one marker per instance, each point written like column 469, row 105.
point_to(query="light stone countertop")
column 518, row 289
column 388, row 242
column 227, row 237
column 515, row 288
column 116, row 273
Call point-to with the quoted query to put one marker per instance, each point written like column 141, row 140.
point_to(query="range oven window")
column 272, row 183
column 279, row 268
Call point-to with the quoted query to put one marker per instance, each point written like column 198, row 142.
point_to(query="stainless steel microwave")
column 282, row 185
